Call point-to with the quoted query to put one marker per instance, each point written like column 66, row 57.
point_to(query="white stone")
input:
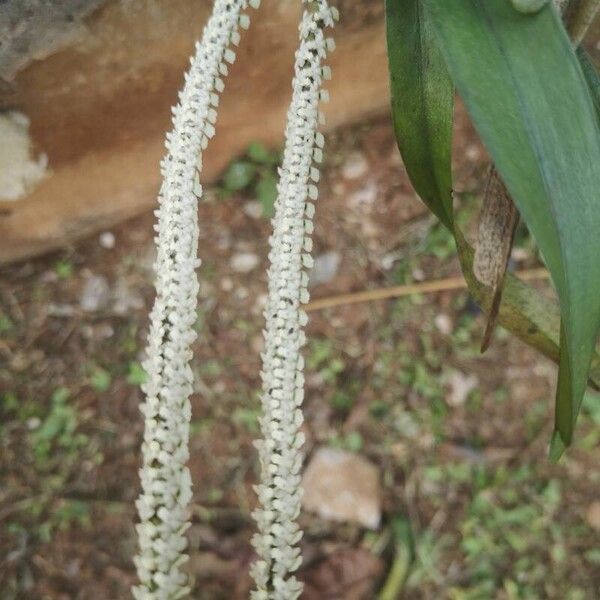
column 95, row 294
column 253, row 209
column 342, row 486
column 325, row 268
column 443, row 323
column 33, row 423
column 388, row 260
column 107, row 240
column 244, row 262
column 356, row 166
column 418, row 274
column 461, row 386
column 226, row 284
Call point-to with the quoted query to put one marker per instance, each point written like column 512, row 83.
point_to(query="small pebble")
column 418, row 274
column 253, row 209
column 388, row 260
column 33, row 423
column 356, row 166
column 226, row 284
column 244, row 262
column 107, row 240
column 461, row 386
column 325, row 267
column 443, row 323
column 95, row 294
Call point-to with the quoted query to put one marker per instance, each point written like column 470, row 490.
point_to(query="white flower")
column 165, row 478
column 282, row 374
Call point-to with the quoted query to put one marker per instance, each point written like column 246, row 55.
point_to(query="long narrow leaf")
column 525, row 92
column 497, row 225
column 422, row 104
column 591, row 76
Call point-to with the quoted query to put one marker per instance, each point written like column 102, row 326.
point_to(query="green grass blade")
column 422, row 104
column 525, row 92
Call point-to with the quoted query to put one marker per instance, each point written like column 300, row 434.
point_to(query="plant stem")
column 579, row 17
column 394, row 584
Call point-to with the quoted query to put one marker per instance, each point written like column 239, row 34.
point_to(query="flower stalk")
column 280, row 455
column 165, row 478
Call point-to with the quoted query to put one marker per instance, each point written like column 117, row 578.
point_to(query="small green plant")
column 492, row 534
column 70, row 512
column 9, row 402
column 6, row 323
column 136, row 374
column 100, row 380
column 342, row 400
column 128, row 339
column 57, row 430
column 247, row 418
column 325, row 359
column 254, row 173
column 63, row 269
column 352, row 441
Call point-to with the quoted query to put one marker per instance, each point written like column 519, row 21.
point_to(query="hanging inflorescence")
column 165, row 478
column 280, row 454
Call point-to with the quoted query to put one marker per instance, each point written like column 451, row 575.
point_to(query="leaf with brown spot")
column 497, row 225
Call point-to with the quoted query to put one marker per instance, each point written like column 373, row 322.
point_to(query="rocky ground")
column 456, row 498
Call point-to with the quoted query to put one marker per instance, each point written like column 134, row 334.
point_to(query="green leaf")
column 136, row 374
column 100, row 380
column 60, row 395
column 591, row 76
column 523, row 87
column 54, row 423
column 422, row 104
column 239, row 175
column 266, row 192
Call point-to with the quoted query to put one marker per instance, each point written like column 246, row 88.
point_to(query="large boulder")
column 98, row 98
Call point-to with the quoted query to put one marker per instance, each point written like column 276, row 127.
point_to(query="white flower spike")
column 165, row 478
column 282, row 375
